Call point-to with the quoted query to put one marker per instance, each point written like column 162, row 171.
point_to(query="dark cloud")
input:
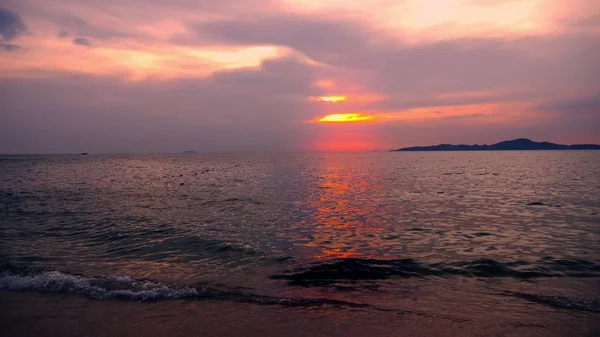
column 74, row 25
column 585, row 25
column 63, row 34
column 81, row 25
column 588, row 105
column 11, row 25
column 411, row 74
column 236, row 110
column 322, row 39
column 82, row 41
column 477, row 129
column 283, row 77
column 494, row 64
column 72, row 21
column 9, row 47
column 589, row 21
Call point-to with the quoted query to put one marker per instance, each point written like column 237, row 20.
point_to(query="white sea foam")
column 123, row 287
column 127, row 288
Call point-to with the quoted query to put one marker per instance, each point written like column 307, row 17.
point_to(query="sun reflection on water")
column 342, row 222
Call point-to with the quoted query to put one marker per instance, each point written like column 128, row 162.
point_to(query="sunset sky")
column 295, row 75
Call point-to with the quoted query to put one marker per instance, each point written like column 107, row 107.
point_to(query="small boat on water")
column 84, row 153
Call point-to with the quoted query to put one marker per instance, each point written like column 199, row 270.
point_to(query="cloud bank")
column 251, row 75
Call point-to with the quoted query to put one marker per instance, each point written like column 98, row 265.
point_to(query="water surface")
column 510, row 238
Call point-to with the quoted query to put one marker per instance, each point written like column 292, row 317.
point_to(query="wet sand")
column 34, row 314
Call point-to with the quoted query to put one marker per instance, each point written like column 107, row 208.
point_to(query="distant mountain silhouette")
column 516, row 144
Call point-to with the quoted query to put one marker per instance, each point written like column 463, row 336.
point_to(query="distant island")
column 514, row 145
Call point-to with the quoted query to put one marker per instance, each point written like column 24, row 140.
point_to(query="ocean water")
column 447, row 243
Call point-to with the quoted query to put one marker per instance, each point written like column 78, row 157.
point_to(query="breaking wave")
column 127, row 288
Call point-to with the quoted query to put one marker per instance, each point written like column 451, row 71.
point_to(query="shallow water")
column 471, row 237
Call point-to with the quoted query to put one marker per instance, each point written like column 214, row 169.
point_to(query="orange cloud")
column 468, row 94
column 158, row 61
column 366, row 98
column 415, row 21
column 324, row 84
column 327, row 99
column 497, row 113
column 345, row 118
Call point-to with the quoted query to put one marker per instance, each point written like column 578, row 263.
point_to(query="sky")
column 295, row 75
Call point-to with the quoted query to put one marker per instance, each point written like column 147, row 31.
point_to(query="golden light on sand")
column 327, row 99
column 345, row 118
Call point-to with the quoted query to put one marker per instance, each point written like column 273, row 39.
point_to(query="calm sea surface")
column 431, row 244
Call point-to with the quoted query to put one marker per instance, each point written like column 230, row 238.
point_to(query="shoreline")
column 37, row 314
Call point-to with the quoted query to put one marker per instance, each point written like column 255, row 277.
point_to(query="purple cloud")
column 11, row 25
column 82, row 41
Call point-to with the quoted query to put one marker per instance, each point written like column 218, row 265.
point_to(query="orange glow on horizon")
column 352, row 138
column 345, row 145
column 345, row 118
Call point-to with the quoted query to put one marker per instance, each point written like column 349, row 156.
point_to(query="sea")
column 499, row 243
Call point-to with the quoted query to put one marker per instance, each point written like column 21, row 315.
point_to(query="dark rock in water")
column 181, row 184
column 536, row 203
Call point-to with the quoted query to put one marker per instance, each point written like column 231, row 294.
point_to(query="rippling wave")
column 559, row 301
column 353, row 269
column 416, row 233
